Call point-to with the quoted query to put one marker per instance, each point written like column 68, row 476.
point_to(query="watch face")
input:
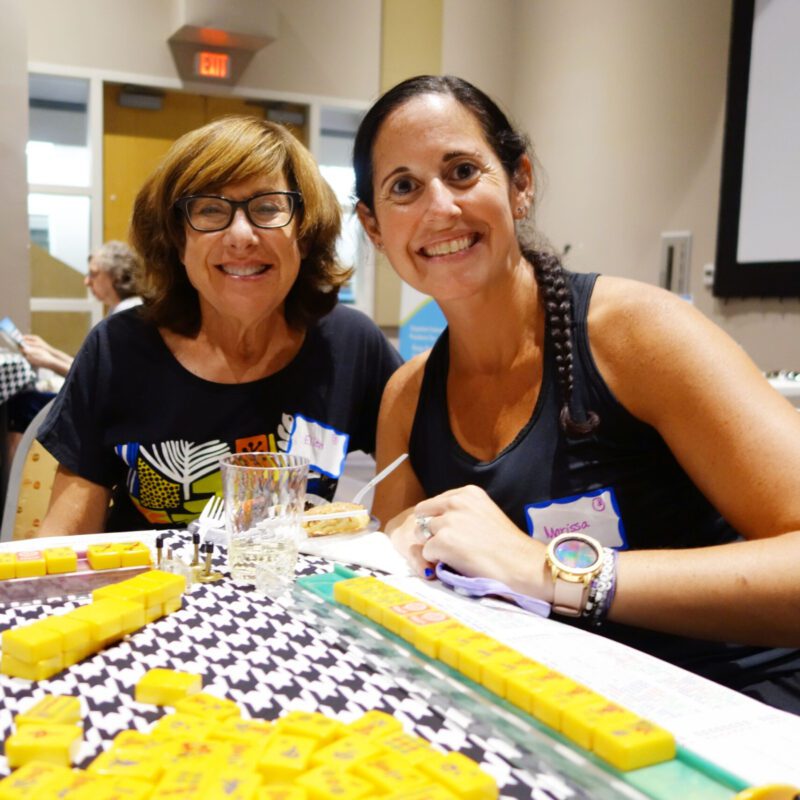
column 575, row 554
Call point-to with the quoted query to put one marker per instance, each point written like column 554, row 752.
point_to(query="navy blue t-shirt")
column 130, row 417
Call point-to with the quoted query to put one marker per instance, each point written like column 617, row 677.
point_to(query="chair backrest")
column 30, row 482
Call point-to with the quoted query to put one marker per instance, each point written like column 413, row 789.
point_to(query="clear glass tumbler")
column 264, row 499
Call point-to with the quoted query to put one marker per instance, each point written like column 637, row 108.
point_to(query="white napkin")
column 371, row 549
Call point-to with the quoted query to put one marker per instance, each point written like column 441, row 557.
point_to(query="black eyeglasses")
column 208, row 212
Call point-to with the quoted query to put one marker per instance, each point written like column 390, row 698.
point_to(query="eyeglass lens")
column 264, row 211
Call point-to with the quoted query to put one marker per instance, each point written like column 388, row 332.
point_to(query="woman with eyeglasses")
column 240, row 343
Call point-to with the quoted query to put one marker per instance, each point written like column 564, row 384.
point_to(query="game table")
column 306, row 652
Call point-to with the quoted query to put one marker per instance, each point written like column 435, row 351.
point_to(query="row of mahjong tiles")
column 63, row 560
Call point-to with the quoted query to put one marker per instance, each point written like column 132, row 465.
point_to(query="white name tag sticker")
column 323, row 446
column 595, row 514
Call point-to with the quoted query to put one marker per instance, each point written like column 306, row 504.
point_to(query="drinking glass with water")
column 264, row 500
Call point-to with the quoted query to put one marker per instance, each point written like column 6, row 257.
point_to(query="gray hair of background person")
column 122, row 265
column 231, row 150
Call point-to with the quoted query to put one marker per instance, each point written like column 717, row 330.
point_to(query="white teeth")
column 446, row 248
column 243, row 270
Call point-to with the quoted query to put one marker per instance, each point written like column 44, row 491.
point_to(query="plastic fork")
column 213, row 513
column 379, row 477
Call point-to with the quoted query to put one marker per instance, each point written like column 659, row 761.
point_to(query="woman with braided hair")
column 589, row 442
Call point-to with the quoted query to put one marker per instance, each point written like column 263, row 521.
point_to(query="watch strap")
column 569, row 597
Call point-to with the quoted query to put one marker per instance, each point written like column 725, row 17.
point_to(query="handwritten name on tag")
column 323, row 446
column 595, row 514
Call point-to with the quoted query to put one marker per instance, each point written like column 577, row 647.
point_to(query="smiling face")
column 243, row 273
column 444, row 207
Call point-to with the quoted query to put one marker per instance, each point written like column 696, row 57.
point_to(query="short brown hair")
column 230, row 150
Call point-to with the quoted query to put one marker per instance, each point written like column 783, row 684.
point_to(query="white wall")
column 476, row 45
column 624, row 101
column 14, row 272
column 322, row 48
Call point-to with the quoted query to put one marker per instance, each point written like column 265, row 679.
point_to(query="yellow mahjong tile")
column 497, row 669
column 548, row 706
column 8, row 566
column 189, row 750
column 78, row 654
column 425, row 631
column 474, row 655
column 579, row 724
column 110, row 788
column 282, row 791
column 76, row 785
column 638, row 744
column 182, row 782
column 181, row 726
column 240, row 756
column 245, row 731
column 132, row 613
column 36, row 671
column 461, row 775
column 34, row 779
column 347, row 752
column 31, row 642
column 30, row 564
column 163, row 687
column 104, row 556
column 376, row 724
column 311, row 724
column 76, row 634
column 432, row 791
column 376, row 599
column 134, row 554
column 521, row 690
column 172, row 605
column 128, row 763
column 55, row 744
column 59, row 560
column 50, row 709
column 138, row 741
column 329, row 783
column 412, row 748
column 124, row 590
column 453, row 642
column 285, row 757
column 393, row 616
column 207, row 706
column 391, row 773
column 152, row 613
column 105, row 619
column 231, row 785
column 164, row 585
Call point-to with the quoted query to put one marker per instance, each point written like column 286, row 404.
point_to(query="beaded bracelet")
column 601, row 592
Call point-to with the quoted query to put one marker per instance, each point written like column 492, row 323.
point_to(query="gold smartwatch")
column 575, row 560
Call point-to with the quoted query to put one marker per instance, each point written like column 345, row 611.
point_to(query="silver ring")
column 423, row 525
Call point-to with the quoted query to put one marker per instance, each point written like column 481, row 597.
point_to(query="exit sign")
column 212, row 65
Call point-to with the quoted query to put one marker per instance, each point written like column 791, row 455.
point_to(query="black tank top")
column 658, row 504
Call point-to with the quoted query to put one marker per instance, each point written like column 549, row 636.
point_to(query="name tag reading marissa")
column 323, row 446
column 595, row 513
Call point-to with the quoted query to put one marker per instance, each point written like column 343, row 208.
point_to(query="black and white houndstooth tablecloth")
column 269, row 657
column 15, row 374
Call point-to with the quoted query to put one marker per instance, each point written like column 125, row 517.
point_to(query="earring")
column 520, row 212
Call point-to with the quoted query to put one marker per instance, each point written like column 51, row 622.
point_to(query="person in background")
column 240, row 343
column 111, row 277
column 591, row 442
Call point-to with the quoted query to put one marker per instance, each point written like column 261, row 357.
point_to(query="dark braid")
column 554, row 286
column 510, row 146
